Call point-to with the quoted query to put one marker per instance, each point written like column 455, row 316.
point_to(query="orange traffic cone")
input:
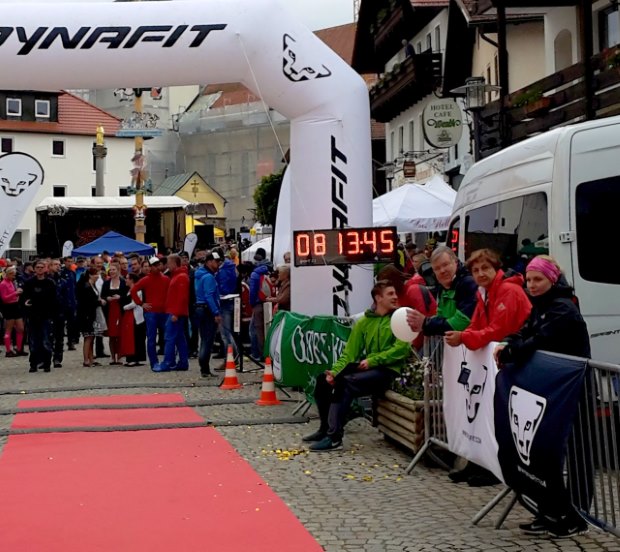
column 230, row 376
column 268, row 392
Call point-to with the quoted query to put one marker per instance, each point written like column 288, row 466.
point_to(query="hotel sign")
column 443, row 123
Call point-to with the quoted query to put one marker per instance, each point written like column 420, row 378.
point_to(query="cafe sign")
column 443, row 123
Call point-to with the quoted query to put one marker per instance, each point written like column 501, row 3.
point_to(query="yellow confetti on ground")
column 367, row 478
column 307, row 472
column 349, row 476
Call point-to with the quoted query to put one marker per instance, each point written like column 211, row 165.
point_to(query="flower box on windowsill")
column 537, row 107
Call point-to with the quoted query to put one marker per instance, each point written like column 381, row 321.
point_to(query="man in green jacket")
column 456, row 299
column 369, row 363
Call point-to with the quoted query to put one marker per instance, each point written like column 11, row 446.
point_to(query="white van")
column 558, row 193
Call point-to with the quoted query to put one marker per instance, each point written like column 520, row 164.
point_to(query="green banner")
column 301, row 347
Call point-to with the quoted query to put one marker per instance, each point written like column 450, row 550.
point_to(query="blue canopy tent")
column 113, row 242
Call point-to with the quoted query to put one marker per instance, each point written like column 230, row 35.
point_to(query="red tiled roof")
column 340, row 39
column 233, row 93
column 75, row 116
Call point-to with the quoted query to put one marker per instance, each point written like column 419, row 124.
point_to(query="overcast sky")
column 316, row 14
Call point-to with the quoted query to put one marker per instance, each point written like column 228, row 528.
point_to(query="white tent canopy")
column 416, row 207
column 248, row 254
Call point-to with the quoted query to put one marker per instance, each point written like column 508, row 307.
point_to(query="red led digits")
column 320, row 245
column 454, row 239
column 353, row 245
column 386, row 240
column 336, row 246
column 302, row 245
column 369, row 238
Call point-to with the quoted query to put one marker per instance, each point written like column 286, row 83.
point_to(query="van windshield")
column 516, row 228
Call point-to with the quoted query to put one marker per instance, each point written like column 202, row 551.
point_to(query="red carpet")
column 181, row 490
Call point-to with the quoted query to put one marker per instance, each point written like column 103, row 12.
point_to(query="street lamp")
column 475, row 90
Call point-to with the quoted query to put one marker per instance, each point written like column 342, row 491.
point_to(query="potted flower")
column 611, row 57
column 399, row 413
column 533, row 101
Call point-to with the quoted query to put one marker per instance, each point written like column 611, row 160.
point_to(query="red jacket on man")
column 177, row 301
column 507, row 308
column 155, row 289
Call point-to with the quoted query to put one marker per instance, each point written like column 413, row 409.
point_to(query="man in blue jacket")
column 207, row 309
column 226, row 278
column 259, row 291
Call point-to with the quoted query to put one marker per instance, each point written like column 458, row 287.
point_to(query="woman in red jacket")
column 502, row 307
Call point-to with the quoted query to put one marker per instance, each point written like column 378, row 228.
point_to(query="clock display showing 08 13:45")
column 344, row 246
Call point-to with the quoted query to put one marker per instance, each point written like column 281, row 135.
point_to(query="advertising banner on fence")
column 535, row 406
column 301, row 347
column 469, row 386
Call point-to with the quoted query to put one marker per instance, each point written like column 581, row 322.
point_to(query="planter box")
column 538, row 107
column 401, row 419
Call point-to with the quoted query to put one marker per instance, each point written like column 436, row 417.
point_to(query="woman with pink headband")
column 556, row 325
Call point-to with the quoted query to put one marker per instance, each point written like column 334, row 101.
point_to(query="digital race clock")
column 344, row 246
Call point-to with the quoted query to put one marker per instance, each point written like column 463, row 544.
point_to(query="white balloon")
column 400, row 327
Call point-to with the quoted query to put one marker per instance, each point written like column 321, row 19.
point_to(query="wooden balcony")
column 405, row 85
column 390, row 29
column 563, row 100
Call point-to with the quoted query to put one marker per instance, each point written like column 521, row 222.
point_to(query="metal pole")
column 502, row 58
column 99, row 152
column 140, row 228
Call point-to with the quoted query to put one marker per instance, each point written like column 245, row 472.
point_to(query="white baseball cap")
column 154, row 260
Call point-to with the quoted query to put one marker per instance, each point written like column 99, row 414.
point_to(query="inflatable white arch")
column 125, row 44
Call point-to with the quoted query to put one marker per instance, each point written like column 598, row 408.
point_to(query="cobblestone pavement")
column 355, row 499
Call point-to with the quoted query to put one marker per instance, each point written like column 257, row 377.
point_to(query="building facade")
column 58, row 129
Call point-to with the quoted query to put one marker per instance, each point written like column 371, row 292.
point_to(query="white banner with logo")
column 67, row 248
column 190, row 243
column 469, row 389
column 21, row 177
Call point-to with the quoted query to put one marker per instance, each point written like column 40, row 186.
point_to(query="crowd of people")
column 472, row 304
column 160, row 309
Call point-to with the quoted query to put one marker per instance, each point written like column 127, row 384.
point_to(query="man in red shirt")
column 154, row 287
column 177, row 310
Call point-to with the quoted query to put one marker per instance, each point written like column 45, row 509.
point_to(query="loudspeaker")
column 47, row 245
column 206, row 236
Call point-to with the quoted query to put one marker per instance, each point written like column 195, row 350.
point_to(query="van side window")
column 597, row 224
column 517, row 228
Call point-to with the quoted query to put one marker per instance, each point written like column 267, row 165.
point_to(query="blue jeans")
column 207, row 327
column 40, row 342
column 175, row 343
column 257, row 330
column 153, row 320
column 227, row 310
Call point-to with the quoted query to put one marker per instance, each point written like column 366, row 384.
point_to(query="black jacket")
column 39, row 298
column 87, row 303
column 555, row 324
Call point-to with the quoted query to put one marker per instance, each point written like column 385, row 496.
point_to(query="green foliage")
column 529, row 96
column 266, row 198
column 410, row 383
column 611, row 57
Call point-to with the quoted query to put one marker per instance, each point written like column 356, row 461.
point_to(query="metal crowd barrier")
column 434, row 423
column 592, row 468
column 593, row 456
